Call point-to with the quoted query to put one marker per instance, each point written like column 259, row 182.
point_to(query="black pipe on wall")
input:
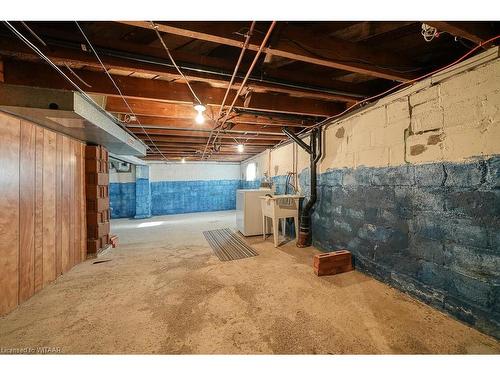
column 315, row 151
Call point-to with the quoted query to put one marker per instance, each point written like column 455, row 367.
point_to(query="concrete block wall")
column 173, row 188
column 244, row 184
column 193, row 187
column 122, row 199
column 410, row 185
column 122, row 194
column 143, row 192
column 176, row 197
column 429, row 229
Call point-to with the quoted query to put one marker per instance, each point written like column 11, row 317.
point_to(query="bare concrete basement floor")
column 164, row 291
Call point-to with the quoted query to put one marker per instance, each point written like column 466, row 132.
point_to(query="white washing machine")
column 248, row 211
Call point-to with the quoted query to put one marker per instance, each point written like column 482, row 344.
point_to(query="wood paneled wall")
column 42, row 208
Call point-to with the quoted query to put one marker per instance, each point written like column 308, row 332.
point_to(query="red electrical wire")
column 323, row 122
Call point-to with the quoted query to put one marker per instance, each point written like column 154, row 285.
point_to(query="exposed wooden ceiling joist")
column 186, row 111
column 236, row 129
column 42, row 75
column 200, row 140
column 183, row 133
column 299, row 45
column 162, row 68
column 198, row 147
column 186, row 120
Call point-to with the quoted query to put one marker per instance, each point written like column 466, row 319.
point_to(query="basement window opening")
column 251, row 172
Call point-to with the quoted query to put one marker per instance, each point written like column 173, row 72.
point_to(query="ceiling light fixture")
column 240, row 148
column 183, row 160
column 200, row 108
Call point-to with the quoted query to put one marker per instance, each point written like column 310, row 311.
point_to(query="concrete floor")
column 163, row 291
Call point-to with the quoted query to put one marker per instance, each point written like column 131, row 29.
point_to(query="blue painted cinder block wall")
column 122, row 199
column 249, row 184
column 142, row 193
column 431, row 230
column 175, row 197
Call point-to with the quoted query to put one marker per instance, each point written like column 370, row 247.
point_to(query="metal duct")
column 70, row 113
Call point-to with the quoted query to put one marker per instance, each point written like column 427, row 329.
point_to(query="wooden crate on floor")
column 332, row 263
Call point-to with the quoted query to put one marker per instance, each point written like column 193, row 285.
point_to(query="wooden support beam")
column 233, row 151
column 159, row 66
column 195, row 141
column 222, row 158
column 185, row 133
column 476, row 32
column 194, row 153
column 42, row 75
column 288, row 47
column 188, row 148
column 189, row 126
column 199, row 148
column 185, row 119
column 156, row 109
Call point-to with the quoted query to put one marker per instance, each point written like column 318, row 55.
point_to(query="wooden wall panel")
column 9, row 213
column 65, row 206
column 71, row 188
column 42, row 208
column 76, row 184
column 27, row 211
column 59, row 143
column 49, row 207
column 83, row 204
column 39, row 208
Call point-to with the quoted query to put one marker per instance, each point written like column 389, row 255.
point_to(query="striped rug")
column 228, row 245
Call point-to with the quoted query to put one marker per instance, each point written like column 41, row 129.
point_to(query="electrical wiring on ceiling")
column 155, row 28
column 35, row 35
column 221, row 108
column 429, row 32
column 243, row 83
column 64, row 75
column 119, row 91
column 76, row 75
column 398, row 86
column 339, row 58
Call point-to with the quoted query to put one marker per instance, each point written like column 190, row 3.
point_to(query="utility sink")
column 279, row 207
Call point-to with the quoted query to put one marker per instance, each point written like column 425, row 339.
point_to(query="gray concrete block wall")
column 431, row 230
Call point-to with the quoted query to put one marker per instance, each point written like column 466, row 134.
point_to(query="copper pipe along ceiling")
column 261, row 48
column 240, row 58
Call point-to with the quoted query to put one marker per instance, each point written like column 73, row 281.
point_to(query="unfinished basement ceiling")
column 308, row 71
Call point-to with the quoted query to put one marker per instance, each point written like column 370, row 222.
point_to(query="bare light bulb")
column 183, row 160
column 240, row 148
column 200, row 108
column 199, row 118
